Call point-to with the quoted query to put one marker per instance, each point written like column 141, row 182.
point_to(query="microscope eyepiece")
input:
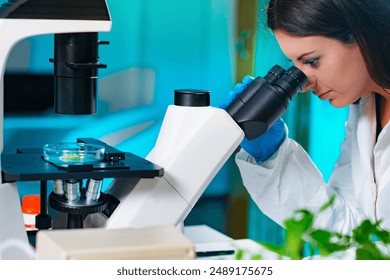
column 274, row 74
column 292, row 81
column 265, row 100
column 298, row 76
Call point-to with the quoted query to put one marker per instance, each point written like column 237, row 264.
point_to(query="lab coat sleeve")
column 289, row 181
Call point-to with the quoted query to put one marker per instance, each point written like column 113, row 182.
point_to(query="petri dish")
column 73, row 153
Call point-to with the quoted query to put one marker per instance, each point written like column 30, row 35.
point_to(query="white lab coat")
column 289, row 180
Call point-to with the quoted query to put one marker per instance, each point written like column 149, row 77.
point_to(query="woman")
column 343, row 47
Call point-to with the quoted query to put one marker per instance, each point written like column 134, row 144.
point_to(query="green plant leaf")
column 363, row 233
column 300, row 226
column 329, row 242
column 328, row 204
column 300, row 222
column 296, row 228
column 383, row 236
column 239, row 254
column 370, row 252
column 257, row 257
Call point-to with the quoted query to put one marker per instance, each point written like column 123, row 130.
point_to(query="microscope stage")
column 29, row 165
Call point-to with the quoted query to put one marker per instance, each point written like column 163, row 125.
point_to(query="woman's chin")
column 337, row 103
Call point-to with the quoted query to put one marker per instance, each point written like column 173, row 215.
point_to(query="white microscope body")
column 192, row 146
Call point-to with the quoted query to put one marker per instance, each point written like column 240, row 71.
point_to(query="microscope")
column 194, row 142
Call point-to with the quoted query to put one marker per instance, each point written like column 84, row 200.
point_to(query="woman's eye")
column 313, row 62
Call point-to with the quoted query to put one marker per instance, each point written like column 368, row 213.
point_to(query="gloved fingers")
column 229, row 99
column 247, row 80
column 238, row 88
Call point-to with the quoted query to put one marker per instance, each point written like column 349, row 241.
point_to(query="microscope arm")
column 192, row 146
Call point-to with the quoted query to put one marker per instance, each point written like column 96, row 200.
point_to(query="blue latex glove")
column 238, row 89
column 264, row 146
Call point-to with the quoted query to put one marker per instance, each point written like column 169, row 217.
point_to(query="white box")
column 149, row 243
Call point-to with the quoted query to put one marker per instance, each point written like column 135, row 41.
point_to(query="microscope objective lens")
column 72, row 190
column 93, row 189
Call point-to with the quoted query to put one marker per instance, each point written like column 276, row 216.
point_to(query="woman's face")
column 336, row 71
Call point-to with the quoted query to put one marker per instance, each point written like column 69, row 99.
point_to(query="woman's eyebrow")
column 303, row 55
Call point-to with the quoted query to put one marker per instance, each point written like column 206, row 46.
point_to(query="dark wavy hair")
column 366, row 22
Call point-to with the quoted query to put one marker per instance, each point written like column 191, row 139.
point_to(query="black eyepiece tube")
column 293, row 81
column 265, row 100
column 274, row 74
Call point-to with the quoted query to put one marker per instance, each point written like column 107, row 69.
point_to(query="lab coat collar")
column 366, row 132
column 382, row 157
column 375, row 153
